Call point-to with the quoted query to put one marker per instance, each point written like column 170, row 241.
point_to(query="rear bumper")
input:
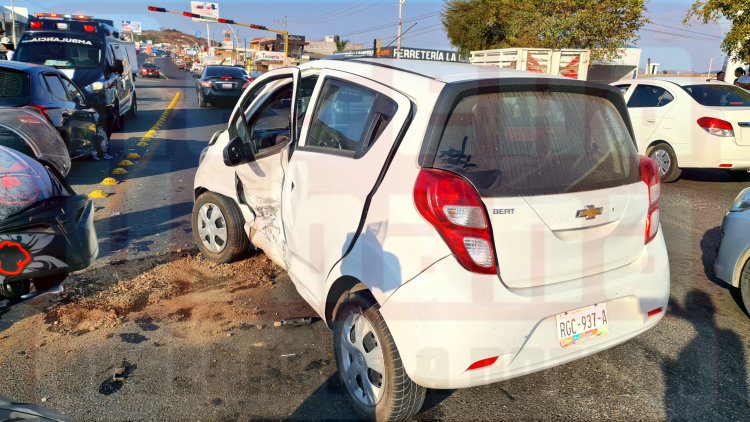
column 212, row 94
column 56, row 244
column 447, row 318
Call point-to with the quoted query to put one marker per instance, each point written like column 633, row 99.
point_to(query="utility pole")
column 208, row 37
column 400, row 14
column 13, row 19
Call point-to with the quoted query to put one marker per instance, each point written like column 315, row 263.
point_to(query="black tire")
column 666, row 161
column 202, row 101
column 745, row 286
column 133, row 112
column 235, row 243
column 739, row 175
column 401, row 398
column 113, row 120
column 46, row 283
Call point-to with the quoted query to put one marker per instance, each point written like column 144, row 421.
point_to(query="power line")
column 687, row 30
column 351, row 12
column 690, row 37
column 336, row 13
column 384, row 26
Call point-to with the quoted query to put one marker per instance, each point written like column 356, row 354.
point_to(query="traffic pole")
column 400, row 23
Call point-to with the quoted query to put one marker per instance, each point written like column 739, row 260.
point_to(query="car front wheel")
column 745, row 286
column 369, row 365
column 666, row 162
column 218, row 228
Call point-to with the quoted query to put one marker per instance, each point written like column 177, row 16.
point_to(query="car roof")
column 447, row 72
column 23, row 66
column 677, row 80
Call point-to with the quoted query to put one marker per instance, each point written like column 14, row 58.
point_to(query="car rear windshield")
column 719, row 95
column 149, row 65
column 225, row 71
column 14, row 88
column 538, row 143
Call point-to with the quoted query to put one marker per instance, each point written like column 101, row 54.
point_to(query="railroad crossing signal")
column 227, row 21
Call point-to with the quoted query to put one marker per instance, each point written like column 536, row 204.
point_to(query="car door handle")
column 292, row 186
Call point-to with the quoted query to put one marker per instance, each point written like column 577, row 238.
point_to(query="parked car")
column 52, row 94
column 150, row 69
column 92, row 53
column 220, row 84
column 453, row 225
column 690, row 123
column 732, row 263
column 46, row 230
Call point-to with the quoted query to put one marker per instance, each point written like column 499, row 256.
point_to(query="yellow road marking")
column 122, row 187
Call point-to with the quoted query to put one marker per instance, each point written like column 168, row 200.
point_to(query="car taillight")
column 42, row 109
column 35, row 25
column 650, row 176
column 453, row 206
column 716, row 126
column 89, row 28
column 207, row 84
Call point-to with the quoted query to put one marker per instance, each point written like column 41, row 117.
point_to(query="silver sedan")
column 733, row 256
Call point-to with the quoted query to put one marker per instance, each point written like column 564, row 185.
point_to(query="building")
column 328, row 46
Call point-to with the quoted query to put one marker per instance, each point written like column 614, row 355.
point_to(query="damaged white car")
column 454, row 225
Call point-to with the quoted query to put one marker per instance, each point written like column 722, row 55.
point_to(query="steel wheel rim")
column 212, row 227
column 663, row 161
column 363, row 364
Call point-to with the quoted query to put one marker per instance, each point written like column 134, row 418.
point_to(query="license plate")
column 583, row 324
column 227, row 86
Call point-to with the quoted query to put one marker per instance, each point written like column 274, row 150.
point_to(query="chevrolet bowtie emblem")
column 589, row 213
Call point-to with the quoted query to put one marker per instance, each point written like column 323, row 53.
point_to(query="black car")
column 220, row 84
column 92, row 53
column 46, row 229
column 57, row 98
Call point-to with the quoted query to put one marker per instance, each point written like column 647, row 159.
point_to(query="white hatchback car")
column 454, row 225
column 690, row 122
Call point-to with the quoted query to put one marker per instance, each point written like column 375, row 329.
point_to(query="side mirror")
column 238, row 152
column 118, row 67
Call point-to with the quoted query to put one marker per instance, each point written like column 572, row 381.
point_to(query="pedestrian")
column 742, row 81
column 720, row 75
column 7, row 45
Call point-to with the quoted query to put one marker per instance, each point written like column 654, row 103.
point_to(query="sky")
column 666, row 41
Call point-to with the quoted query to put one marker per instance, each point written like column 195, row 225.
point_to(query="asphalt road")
column 149, row 211
column 216, row 365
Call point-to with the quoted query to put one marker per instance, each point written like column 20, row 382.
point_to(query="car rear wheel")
column 369, row 365
column 133, row 112
column 666, row 162
column 218, row 228
column 745, row 286
column 201, row 101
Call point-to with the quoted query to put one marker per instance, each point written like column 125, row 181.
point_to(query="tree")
column 604, row 26
column 737, row 12
column 341, row 45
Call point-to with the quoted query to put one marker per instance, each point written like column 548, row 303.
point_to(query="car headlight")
column 95, row 87
column 742, row 203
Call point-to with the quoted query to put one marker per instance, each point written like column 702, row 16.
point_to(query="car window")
column 56, row 86
column 623, row 88
column 649, row 96
column 719, row 95
column 15, row 88
column 269, row 126
column 73, row 93
column 538, row 143
column 348, row 117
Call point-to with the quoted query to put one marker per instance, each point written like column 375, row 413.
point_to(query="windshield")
column 60, row 52
column 719, row 95
column 29, row 132
column 225, row 71
column 149, row 65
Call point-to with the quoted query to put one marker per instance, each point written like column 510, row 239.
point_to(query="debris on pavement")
column 294, row 322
